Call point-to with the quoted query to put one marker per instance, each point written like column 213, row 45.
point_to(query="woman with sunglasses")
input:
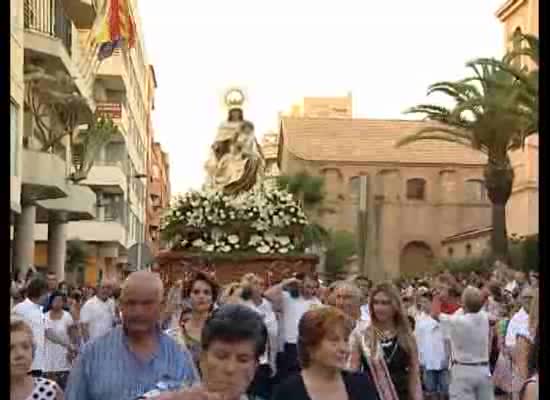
column 202, row 293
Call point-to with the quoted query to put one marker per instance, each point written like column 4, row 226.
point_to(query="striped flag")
column 117, row 27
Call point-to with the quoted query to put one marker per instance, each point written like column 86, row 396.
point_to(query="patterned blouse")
column 43, row 389
column 193, row 345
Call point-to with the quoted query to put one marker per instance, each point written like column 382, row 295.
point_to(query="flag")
column 117, row 28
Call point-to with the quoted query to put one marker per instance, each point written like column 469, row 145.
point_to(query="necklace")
column 386, row 344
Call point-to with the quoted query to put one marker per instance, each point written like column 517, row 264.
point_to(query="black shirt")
column 358, row 387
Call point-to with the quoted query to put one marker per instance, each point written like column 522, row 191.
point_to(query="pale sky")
column 385, row 52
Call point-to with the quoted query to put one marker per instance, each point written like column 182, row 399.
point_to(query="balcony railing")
column 48, row 17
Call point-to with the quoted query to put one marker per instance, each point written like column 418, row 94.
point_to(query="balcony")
column 47, row 18
column 109, row 177
column 79, row 204
column 43, row 176
column 52, row 41
column 89, row 231
column 112, row 72
column 99, row 231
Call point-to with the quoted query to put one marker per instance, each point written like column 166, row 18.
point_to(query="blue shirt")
column 108, row 370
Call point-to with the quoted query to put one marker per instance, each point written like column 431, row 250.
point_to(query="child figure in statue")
column 235, row 158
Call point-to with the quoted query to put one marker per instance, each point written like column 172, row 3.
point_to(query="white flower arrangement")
column 264, row 222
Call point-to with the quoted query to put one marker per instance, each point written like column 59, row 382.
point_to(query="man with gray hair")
column 97, row 316
column 135, row 358
column 468, row 332
column 347, row 297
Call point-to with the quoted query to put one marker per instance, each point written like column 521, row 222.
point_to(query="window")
column 355, row 189
column 416, row 189
column 475, row 191
column 14, row 112
column 516, row 45
column 468, row 249
column 450, row 251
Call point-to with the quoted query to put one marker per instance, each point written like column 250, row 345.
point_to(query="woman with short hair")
column 323, row 350
column 22, row 385
column 233, row 339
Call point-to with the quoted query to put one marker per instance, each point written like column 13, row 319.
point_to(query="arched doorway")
column 416, row 258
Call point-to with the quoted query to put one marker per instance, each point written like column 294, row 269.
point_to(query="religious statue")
column 236, row 162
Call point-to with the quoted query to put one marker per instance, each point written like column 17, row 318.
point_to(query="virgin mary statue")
column 236, row 162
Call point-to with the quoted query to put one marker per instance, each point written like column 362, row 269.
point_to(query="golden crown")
column 234, row 98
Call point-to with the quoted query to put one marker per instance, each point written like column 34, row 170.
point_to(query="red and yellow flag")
column 117, row 27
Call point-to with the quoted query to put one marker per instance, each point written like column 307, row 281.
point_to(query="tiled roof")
column 368, row 140
column 467, row 234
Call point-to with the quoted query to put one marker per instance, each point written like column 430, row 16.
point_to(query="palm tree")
column 88, row 144
column 76, row 256
column 487, row 116
column 525, row 46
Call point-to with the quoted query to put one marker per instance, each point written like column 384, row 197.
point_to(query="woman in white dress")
column 22, row 385
column 58, row 343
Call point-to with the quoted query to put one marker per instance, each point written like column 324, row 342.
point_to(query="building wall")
column 523, row 209
column 16, row 100
column 398, row 221
column 122, row 78
column 324, row 107
column 159, row 194
column 468, row 246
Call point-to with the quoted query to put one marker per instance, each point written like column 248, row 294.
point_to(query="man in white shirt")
column 97, row 315
column 253, row 287
column 432, row 351
column 468, row 331
column 295, row 297
column 31, row 311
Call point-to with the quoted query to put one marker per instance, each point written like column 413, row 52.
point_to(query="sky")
column 385, row 52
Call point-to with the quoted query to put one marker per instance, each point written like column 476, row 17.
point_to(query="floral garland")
column 266, row 222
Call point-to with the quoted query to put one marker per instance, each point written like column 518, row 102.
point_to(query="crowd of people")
column 440, row 336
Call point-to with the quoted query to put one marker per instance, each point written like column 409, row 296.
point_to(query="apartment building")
column 159, row 196
column 45, row 36
column 107, row 210
column 17, row 95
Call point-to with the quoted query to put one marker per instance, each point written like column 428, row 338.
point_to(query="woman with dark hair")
column 323, row 350
column 58, row 343
column 63, row 287
column 233, row 339
column 202, row 293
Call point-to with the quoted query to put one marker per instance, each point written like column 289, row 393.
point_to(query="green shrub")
column 465, row 265
column 341, row 246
